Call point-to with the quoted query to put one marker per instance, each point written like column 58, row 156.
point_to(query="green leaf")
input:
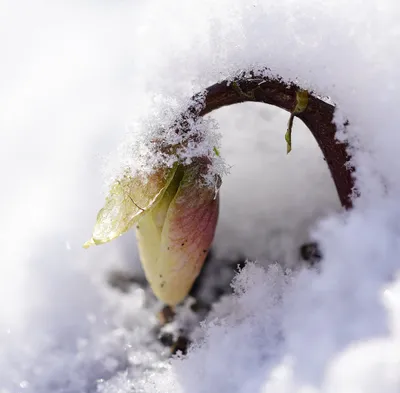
column 301, row 101
column 288, row 139
column 128, row 199
column 301, row 106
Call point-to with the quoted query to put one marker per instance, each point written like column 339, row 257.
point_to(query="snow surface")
column 77, row 77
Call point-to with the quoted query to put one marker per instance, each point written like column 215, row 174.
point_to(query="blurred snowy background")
column 76, row 76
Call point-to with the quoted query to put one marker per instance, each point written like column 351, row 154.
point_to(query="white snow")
column 78, row 77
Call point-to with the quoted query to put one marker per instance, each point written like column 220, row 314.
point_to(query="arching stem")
column 317, row 117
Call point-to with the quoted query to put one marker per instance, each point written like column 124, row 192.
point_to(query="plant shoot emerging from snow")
column 174, row 205
column 175, row 211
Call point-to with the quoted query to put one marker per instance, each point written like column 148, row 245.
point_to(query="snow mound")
column 74, row 75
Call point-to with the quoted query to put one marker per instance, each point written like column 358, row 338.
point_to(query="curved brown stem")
column 317, row 117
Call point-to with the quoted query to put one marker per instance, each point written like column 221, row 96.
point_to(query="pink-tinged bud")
column 175, row 214
column 175, row 236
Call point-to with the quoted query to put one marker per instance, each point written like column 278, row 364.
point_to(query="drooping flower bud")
column 175, row 214
column 174, row 237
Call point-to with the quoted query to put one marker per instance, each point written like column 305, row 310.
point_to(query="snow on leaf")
column 128, row 199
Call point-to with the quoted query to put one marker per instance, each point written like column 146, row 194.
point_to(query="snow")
column 80, row 79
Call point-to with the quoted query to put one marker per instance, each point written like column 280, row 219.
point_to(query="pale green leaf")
column 128, row 199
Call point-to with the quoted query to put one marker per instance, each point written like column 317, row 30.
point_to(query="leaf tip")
column 88, row 244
